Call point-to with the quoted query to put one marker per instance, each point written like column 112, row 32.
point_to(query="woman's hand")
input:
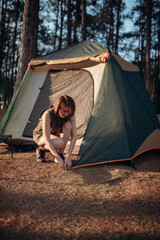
column 61, row 162
column 67, row 163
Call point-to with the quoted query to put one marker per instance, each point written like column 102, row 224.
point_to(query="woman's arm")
column 68, row 163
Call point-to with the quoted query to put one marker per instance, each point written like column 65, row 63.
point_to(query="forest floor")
column 106, row 202
column 39, row 201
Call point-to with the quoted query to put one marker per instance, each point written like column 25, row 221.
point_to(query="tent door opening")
column 76, row 83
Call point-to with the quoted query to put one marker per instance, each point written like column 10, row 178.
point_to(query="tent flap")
column 122, row 118
column 6, row 117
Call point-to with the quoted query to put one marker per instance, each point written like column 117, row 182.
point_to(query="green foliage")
column 139, row 13
column 10, row 34
column 106, row 25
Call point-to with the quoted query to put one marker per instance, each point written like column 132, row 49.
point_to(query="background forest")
column 35, row 27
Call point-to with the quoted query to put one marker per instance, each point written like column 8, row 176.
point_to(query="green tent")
column 123, row 119
column 114, row 116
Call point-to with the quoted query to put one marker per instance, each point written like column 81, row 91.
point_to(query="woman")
column 55, row 127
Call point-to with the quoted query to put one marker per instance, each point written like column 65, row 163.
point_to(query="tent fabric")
column 14, row 101
column 139, row 120
column 105, row 128
column 122, row 118
column 80, row 50
column 124, row 64
column 114, row 114
column 151, row 142
column 23, row 108
column 65, row 81
column 23, row 105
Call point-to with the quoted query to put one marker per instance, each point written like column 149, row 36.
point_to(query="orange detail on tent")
column 118, row 160
column 105, row 59
column 29, row 64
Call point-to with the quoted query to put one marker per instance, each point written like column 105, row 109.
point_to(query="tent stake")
column 131, row 163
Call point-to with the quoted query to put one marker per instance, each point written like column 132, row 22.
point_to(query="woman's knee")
column 67, row 126
column 59, row 143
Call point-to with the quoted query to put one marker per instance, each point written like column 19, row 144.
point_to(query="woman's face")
column 64, row 111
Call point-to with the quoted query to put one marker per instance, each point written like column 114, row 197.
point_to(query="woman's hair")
column 67, row 101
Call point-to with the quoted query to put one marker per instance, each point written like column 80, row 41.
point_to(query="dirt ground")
column 38, row 201
column 106, row 202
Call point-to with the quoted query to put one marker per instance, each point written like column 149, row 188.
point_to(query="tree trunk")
column 14, row 48
column 75, row 40
column 148, row 43
column 83, row 4
column 2, row 34
column 6, row 66
column 142, row 34
column 56, row 27
column 69, row 23
column 61, row 27
column 29, row 38
column 158, row 68
column 110, row 37
column 118, row 26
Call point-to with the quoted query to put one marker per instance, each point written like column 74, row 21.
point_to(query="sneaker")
column 55, row 160
column 40, row 155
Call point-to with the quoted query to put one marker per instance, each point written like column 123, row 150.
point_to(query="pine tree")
column 83, row 4
column 148, row 43
column 69, row 23
column 29, row 38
